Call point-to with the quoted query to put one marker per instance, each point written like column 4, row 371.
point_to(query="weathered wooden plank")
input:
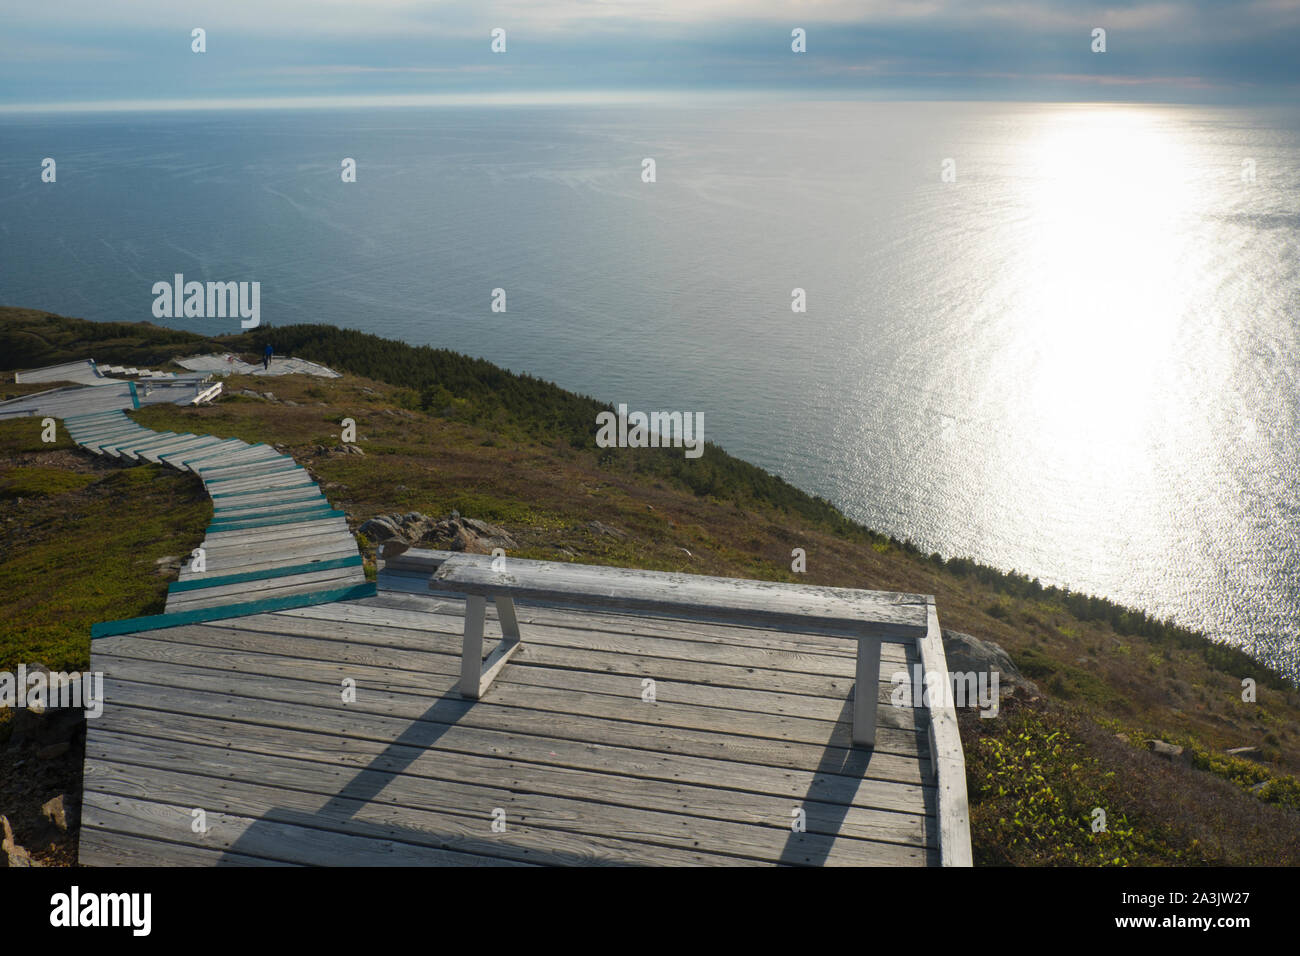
column 137, row 625
column 281, row 476
column 616, row 657
column 540, row 828
column 434, row 772
column 235, row 560
column 219, row 497
column 270, row 504
column 770, row 699
column 150, row 439
column 628, row 728
column 266, row 838
column 192, row 443
column 247, row 467
column 265, row 589
column 208, row 580
column 104, row 433
column 178, row 460
column 289, row 791
column 263, row 521
column 156, row 685
column 97, row 847
column 287, row 530
column 108, row 444
column 250, row 458
column 264, row 499
column 433, row 676
column 255, row 549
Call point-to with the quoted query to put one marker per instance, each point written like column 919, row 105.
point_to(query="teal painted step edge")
column 89, row 415
column 162, row 451
column 273, row 473
column 135, row 399
column 195, row 584
column 301, row 511
column 202, row 615
column 283, row 506
column 260, row 491
column 112, row 428
column 127, row 444
column 295, row 518
column 99, row 438
column 198, row 458
column 264, row 466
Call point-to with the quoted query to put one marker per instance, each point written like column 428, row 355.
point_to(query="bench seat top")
column 841, row 612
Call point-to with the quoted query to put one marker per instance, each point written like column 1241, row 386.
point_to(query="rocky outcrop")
column 969, row 654
column 453, row 533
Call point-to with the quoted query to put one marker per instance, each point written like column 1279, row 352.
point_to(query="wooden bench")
column 868, row 617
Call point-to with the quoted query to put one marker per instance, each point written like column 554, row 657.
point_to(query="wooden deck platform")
column 244, row 719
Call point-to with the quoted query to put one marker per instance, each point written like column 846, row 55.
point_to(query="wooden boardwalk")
column 274, row 540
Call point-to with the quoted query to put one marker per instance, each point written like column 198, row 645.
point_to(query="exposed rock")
column 489, row 534
column 393, row 547
column 601, row 528
column 11, row 854
column 349, row 449
column 55, row 810
column 291, row 403
column 1164, row 749
column 455, row 533
column 969, row 654
column 466, row 540
column 380, row 529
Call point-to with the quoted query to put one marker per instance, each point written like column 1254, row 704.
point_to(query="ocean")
column 1059, row 339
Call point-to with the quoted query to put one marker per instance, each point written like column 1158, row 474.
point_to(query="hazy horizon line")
column 565, row 98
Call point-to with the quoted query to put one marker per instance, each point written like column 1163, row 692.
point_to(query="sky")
column 75, row 54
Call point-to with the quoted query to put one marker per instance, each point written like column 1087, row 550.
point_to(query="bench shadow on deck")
column 243, row 719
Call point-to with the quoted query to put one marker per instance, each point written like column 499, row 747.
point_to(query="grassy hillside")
column 443, row 431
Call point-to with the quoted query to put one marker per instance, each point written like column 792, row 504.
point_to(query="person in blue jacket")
column 266, row 356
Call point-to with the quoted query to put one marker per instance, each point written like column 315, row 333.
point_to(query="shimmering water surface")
column 1077, row 360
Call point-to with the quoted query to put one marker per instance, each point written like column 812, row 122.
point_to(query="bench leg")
column 865, row 692
column 476, row 674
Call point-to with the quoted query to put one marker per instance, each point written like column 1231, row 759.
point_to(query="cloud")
column 958, row 48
